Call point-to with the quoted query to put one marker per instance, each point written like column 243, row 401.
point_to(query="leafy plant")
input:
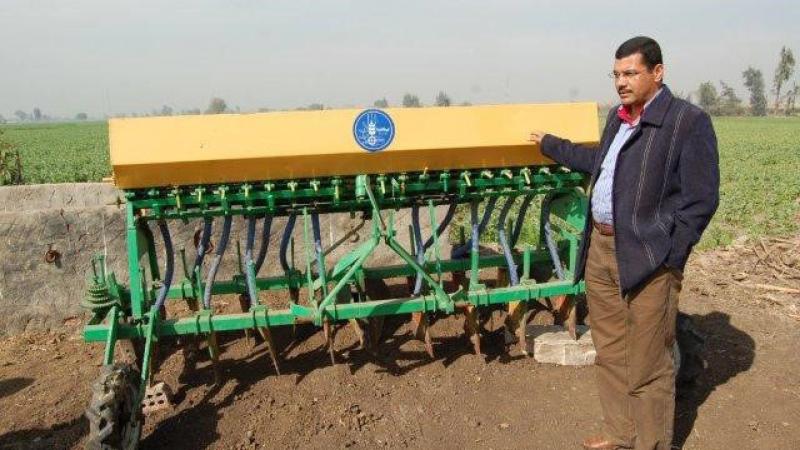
column 10, row 163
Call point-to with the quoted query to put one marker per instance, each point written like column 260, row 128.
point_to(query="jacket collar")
column 655, row 111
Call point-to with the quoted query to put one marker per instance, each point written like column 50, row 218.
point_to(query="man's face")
column 635, row 83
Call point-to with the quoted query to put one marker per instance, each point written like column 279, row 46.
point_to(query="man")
column 654, row 187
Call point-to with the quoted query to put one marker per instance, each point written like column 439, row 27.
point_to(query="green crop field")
column 759, row 158
column 61, row 152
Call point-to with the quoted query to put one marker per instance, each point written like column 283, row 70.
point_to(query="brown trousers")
column 634, row 338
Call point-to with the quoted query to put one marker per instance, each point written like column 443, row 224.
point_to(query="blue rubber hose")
column 215, row 263
column 481, row 226
column 287, row 236
column 248, row 259
column 203, row 244
column 523, row 209
column 415, row 226
column 262, row 251
column 549, row 241
column 170, row 264
column 501, row 234
column 448, row 217
column 317, row 240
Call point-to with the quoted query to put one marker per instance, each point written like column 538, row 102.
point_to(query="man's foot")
column 598, row 443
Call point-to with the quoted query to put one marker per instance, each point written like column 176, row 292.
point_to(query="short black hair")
column 646, row 46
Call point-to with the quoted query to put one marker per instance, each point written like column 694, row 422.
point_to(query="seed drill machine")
column 278, row 171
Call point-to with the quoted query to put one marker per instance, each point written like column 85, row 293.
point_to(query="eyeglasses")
column 626, row 75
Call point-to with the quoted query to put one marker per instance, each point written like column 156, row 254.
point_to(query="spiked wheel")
column 115, row 420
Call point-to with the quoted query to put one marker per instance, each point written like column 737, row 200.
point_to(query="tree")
column 315, row 107
column 166, row 110
column 381, row 103
column 37, row 114
column 707, row 97
column 791, row 98
column 81, row 116
column 754, row 82
column 782, row 74
column 21, row 115
column 442, row 99
column 411, row 101
column 729, row 103
column 2, row 119
column 216, row 106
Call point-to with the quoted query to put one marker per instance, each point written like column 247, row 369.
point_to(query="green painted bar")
column 167, row 198
column 240, row 321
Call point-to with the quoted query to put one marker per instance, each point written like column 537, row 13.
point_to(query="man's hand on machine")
column 536, row 136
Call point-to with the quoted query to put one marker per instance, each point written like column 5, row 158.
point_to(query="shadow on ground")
column 729, row 351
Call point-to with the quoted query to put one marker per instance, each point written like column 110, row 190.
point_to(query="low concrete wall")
column 79, row 220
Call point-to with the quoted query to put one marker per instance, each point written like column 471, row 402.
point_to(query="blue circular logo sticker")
column 373, row 129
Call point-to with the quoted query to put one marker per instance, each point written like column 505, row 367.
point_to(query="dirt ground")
column 745, row 299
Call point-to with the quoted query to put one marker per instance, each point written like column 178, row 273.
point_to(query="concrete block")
column 553, row 345
column 30, row 197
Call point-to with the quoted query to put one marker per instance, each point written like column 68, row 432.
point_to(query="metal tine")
column 327, row 330
column 564, row 307
column 190, row 345
column 519, row 312
column 265, row 333
column 319, row 254
column 246, row 301
column 514, row 322
column 213, row 347
column 286, row 242
column 471, row 325
column 166, row 282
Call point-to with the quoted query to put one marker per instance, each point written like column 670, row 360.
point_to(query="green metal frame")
column 134, row 316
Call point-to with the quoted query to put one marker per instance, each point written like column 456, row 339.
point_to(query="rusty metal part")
column 422, row 331
column 196, row 241
column 51, row 256
column 472, row 327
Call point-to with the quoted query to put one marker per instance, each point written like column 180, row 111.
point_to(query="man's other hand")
column 536, row 136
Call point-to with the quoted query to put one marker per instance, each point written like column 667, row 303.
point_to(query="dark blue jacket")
column 666, row 186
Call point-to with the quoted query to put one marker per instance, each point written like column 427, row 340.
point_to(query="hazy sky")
column 108, row 56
